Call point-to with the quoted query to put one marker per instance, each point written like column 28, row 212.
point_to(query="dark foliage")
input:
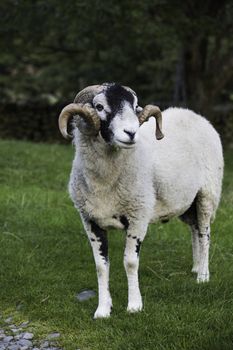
column 169, row 52
column 30, row 122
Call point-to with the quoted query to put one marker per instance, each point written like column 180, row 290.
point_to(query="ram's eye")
column 99, row 107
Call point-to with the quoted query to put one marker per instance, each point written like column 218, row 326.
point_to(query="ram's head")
column 111, row 111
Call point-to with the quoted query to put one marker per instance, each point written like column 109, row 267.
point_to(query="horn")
column 82, row 107
column 86, row 95
column 152, row 111
column 85, row 111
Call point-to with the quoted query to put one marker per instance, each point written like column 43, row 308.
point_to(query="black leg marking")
column 102, row 238
column 190, row 216
column 124, row 221
column 138, row 246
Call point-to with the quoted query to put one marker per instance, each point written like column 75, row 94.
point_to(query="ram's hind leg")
column 190, row 218
column 198, row 218
column 99, row 244
column 195, row 247
column 204, row 214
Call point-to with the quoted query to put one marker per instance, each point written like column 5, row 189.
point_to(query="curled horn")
column 83, row 109
column 152, row 111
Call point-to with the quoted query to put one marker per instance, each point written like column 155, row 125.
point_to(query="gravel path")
column 14, row 337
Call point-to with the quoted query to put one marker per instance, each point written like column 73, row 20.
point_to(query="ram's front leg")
column 134, row 239
column 99, row 244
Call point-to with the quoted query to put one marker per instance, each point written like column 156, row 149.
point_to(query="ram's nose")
column 131, row 134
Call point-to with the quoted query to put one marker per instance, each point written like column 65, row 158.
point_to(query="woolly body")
column 156, row 179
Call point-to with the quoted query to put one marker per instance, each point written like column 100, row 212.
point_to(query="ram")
column 126, row 175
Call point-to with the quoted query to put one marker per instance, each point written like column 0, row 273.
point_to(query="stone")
column 18, row 336
column 86, row 295
column 13, row 347
column 7, row 339
column 16, row 330
column 53, row 335
column 8, row 320
column 24, row 342
column 24, row 324
column 28, row 335
column 45, row 344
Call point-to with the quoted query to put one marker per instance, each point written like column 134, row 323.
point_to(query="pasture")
column 45, row 260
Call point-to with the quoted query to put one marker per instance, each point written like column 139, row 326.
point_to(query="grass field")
column 45, row 260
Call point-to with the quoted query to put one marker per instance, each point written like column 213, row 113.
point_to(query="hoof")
column 132, row 308
column 102, row 313
column 202, row 278
column 195, row 269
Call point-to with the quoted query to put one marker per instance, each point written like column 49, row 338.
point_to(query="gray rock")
column 53, row 335
column 8, row 320
column 7, row 339
column 86, row 295
column 24, row 324
column 45, row 344
column 24, row 347
column 16, row 330
column 18, row 336
column 13, row 347
column 24, row 342
column 28, row 335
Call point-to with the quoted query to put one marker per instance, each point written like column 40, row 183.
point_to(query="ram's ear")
column 82, row 125
column 138, row 110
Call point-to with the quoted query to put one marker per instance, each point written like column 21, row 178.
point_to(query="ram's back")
column 187, row 161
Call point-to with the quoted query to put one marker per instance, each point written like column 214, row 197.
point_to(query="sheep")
column 126, row 175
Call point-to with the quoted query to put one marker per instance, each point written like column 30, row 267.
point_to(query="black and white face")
column 117, row 109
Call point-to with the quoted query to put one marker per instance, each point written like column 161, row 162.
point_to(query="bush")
column 30, row 122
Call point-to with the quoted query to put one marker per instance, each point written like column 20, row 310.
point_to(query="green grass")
column 45, row 260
